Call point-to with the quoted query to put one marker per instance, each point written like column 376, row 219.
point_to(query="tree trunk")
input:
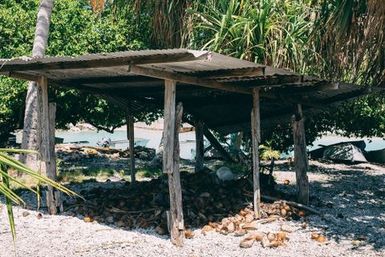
column 32, row 113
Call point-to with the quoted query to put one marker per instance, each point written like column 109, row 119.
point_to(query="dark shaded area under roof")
column 213, row 88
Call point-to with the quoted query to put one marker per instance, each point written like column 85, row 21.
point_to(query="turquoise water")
column 374, row 143
column 151, row 139
column 143, row 137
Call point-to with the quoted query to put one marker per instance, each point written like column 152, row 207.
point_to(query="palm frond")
column 8, row 162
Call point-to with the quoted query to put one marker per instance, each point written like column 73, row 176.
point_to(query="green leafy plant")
column 268, row 153
column 8, row 162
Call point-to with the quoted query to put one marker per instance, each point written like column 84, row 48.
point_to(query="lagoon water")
column 144, row 137
column 151, row 138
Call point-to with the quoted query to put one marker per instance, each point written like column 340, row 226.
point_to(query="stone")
column 224, row 174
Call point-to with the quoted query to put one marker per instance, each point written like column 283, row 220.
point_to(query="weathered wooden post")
column 301, row 162
column 47, row 145
column 199, row 146
column 131, row 140
column 171, row 161
column 256, row 139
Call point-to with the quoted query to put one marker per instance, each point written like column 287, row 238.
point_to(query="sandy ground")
column 352, row 199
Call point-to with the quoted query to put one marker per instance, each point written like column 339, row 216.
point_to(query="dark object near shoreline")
column 377, row 156
column 345, row 152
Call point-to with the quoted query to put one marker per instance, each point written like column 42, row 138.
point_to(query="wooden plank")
column 131, row 138
column 199, row 146
column 169, row 125
column 301, row 162
column 176, row 224
column 168, row 75
column 99, row 61
column 256, row 139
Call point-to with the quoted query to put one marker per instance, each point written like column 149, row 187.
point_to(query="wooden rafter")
column 228, row 73
column 163, row 74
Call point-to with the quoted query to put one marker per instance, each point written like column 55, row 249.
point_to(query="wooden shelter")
column 217, row 92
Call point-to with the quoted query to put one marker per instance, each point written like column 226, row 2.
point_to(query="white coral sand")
column 353, row 200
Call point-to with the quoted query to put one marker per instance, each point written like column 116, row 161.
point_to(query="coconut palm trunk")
column 31, row 136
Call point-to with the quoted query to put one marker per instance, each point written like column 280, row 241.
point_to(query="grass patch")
column 148, row 172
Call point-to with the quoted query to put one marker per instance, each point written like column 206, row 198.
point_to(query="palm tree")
column 32, row 105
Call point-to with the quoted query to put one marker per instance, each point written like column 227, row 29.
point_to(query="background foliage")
column 74, row 30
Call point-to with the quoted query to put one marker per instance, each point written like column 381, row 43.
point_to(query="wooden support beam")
column 54, row 197
column 100, row 60
column 47, row 145
column 256, row 139
column 131, row 140
column 172, row 122
column 214, row 142
column 169, row 125
column 300, row 156
column 199, row 146
column 131, row 79
column 163, row 74
column 23, row 76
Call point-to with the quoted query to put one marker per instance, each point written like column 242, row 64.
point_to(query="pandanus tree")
column 351, row 37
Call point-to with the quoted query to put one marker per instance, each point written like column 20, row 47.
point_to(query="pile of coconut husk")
column 244, row 224
column 221, row 206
